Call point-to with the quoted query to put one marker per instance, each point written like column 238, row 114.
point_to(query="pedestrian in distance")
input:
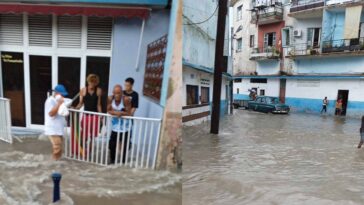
column 361, row 130
column 339, row 107
column 325, row 102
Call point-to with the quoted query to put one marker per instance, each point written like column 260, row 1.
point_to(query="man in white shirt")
column 55, row 123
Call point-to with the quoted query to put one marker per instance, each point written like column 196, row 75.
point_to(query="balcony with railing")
column 265, row 53
column 349, row 46
column 301, row 50
column 298, row 6
column 267, row 13
column 343, row 2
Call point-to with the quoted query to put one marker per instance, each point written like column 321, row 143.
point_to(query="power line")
column 201, row 22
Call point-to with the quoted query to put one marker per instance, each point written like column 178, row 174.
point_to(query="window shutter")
column 69, row 31
column 11, row 29
column 40, row 30
column 99, row 32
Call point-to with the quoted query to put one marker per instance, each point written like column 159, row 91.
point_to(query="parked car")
column 240, row 103
column 268, row 105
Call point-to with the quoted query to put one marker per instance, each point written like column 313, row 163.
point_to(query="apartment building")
column 307, row 50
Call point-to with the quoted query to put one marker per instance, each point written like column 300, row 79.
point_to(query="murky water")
column 25, row 170
column 274, row 159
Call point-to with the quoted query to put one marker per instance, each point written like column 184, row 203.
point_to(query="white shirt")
column 53, row 125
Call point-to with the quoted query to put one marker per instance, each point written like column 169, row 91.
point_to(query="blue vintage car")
column 268, row 105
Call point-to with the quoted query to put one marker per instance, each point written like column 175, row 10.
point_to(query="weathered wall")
column 241, row 62
column 125, row 51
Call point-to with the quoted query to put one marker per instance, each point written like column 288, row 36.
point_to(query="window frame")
column 196, row 100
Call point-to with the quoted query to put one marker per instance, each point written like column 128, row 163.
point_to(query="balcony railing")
column 267, row 52
column 343, row 45
column 302, row 49
column 332, row 2
column 301, row 5
column 269, row 14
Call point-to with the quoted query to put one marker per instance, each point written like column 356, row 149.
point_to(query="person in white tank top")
column 120, row 127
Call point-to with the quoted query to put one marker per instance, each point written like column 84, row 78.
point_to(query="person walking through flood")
column 338, row 107
column 120, row 126
column 325, row 102
column 361, row 130
column 54, row 122
column 90, row 98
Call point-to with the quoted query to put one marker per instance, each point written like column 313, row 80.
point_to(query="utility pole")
column 219, row 59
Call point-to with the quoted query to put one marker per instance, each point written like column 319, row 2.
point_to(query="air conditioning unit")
column 297, row 33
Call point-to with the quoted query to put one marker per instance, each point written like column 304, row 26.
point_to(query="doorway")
column 344, row 95
column 282, row 90
column 40, row 84
column 101, row 67
column 12, row 65
column 69, row 72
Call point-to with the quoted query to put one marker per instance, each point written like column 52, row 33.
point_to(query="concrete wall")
column 125, row 51
column 241, row 62
column 199, row 39
column 342, row 65
column 271, row 88
column 194, row 77
column 307, row 96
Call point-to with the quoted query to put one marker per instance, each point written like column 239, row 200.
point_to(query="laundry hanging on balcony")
column 352, row 22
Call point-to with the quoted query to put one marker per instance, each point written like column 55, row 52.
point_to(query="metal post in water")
column 56, row 189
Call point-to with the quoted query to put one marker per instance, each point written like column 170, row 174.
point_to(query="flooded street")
column 25, row 169
column 274, row 159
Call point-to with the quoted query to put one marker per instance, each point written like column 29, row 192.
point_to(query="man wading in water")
column 325, row 102
column 55, row 123
column 120, row 127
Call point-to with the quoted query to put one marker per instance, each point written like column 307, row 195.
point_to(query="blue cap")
column 61, row 90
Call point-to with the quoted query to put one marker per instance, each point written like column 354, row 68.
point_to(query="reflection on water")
column 25, row 170
column 274, row 159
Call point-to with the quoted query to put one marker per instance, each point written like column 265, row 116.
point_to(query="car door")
column 255, row 104
column 262, row 105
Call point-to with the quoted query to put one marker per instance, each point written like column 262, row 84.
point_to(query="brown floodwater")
column 25, row 179
column 260, row 159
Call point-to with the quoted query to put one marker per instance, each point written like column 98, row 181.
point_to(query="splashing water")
column 25, row 179
column 295, row 159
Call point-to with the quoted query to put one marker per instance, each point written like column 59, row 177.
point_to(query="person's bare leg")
column 56, row 146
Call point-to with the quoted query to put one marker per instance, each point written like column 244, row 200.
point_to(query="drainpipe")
column 140, row 45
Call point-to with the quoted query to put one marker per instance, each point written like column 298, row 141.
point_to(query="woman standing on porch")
column 90, row 98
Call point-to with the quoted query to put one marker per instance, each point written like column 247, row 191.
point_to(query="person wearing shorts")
column 55, row 123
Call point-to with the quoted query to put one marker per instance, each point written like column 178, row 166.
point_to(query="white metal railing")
column 89, row 133
column 331, row 2
column 5, row 121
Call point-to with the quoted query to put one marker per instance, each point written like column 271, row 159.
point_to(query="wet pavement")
column 25, row 169
column 274, row 159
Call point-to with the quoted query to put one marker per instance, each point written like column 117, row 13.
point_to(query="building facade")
column 307, row 50
column 45, row 44
column 199, row 41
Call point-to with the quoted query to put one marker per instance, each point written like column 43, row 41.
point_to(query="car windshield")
column 272, row 100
